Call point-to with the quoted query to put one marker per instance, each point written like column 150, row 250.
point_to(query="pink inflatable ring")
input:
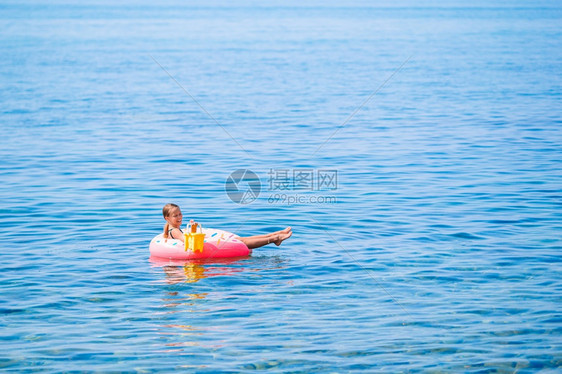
column 217, row 244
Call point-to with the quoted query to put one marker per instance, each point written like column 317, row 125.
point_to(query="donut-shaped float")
column 217, row 244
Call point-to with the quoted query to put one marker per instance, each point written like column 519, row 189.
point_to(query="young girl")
column 172, row 229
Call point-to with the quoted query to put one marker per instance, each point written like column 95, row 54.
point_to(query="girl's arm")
column 177, row 234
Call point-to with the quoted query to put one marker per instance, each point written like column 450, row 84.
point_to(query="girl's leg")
column 257, row 241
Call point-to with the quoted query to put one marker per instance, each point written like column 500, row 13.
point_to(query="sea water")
column 414, row 147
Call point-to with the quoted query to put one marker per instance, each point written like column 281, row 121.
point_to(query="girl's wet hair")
column 166, row 212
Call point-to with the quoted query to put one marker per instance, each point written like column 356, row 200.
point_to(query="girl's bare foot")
column 284, row 231
column 284, row 235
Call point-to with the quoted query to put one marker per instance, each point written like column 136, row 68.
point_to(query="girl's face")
column 175, row 217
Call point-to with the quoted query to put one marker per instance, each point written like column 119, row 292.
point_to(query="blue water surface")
column 434, row 247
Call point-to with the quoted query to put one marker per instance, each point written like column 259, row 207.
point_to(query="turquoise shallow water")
column 436, row 249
